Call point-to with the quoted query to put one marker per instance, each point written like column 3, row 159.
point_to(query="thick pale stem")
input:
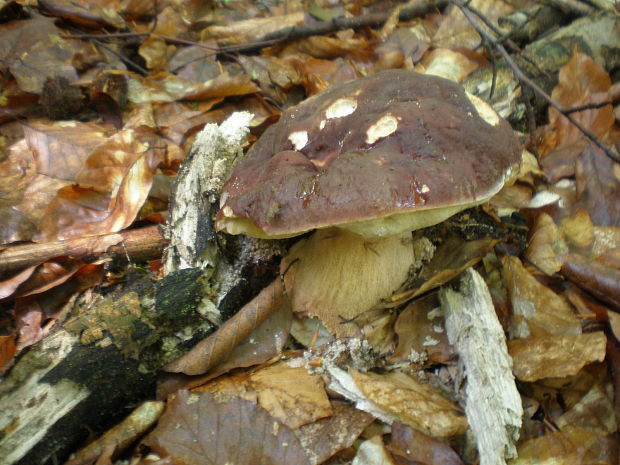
column 337, row 275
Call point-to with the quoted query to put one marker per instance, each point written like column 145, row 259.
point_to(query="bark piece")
column 492, row 404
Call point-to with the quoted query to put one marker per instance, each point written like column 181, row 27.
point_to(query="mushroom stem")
column 337, row 275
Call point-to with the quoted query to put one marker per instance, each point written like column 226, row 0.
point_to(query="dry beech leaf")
column 449, row 261
column 89, row 13
column 412, row 402
column 265, row 342
column 581, row 82
column 217, row 347
column 578, row 228
column 33, row 50
column 537, row 310
column 154, row 50
column 7, row 351
column 594, row 412
column 598, row 186
column 198, row 429
column 556, row 355
column 596, row 278
column 327, row 436
column 418, row 447
column 568, row 447
column 166, row 87
column 421, row 332
column 448, row 64
column 61, row 149
column 113, row 187
column 546, row 245
column 455, row 29
column 291, row 394
column 328, row 47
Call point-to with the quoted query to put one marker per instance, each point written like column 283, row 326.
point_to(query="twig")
column 525, row 80
column 337, row 24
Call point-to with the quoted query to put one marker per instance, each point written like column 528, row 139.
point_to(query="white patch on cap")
column 341, row 107
column 299, row 139
column 424, row 189
column 485, row 111
column 228, row 212
column 384, row 126
column 322, row 124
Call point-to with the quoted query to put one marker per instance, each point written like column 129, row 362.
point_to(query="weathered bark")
column 492, row 403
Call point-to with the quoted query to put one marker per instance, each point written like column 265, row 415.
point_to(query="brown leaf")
column 214, row 349
column 581, row 81
column 569, row 447
column 327, row 436
column 594, row 412
column 265, row 342
column 546, row 245
column 555, row 355
column 7, row 352
column 537, row 310
column 412, row 402
column 600, row 280
column 33, row 51
column 416, row 446
column 289, row 393
column 197, row 429
column 113, row 187
column 421, row 331
column 598, row 186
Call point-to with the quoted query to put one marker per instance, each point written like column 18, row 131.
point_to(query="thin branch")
column 524, row 80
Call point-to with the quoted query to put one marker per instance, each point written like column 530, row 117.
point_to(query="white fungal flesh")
column 341, row 107
column 299, row 139
column 384, row 126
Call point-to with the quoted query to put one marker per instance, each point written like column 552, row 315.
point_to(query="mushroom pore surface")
column 391, row 152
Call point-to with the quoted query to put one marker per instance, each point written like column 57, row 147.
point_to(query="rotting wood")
column 492, row 402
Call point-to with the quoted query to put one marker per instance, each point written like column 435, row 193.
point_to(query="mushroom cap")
column 379, row 155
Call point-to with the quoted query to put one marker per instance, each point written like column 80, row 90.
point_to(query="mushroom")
column 365, row 163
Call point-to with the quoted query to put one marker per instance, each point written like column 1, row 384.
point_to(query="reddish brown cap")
column 379, row 155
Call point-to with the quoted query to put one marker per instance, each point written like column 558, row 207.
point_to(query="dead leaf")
column 578, row 228
column 546, row 245
column 581, row 81
column 291, row 394
column 412, row 402
column 598, row 186
column 33, row 51
column 217, row 347
column 197, row 429
column 537, row 310
column 594, row 412
column 418, row 447
column 421, row 332
column 327, row 436
column 568, row 447
column 600, row 280
column 554, row 356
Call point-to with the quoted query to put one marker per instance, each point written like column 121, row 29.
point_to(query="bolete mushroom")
column 365, row 163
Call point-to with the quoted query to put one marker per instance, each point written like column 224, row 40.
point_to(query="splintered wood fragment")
column 217, row 347
column 197, row 191
column 492, row 402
